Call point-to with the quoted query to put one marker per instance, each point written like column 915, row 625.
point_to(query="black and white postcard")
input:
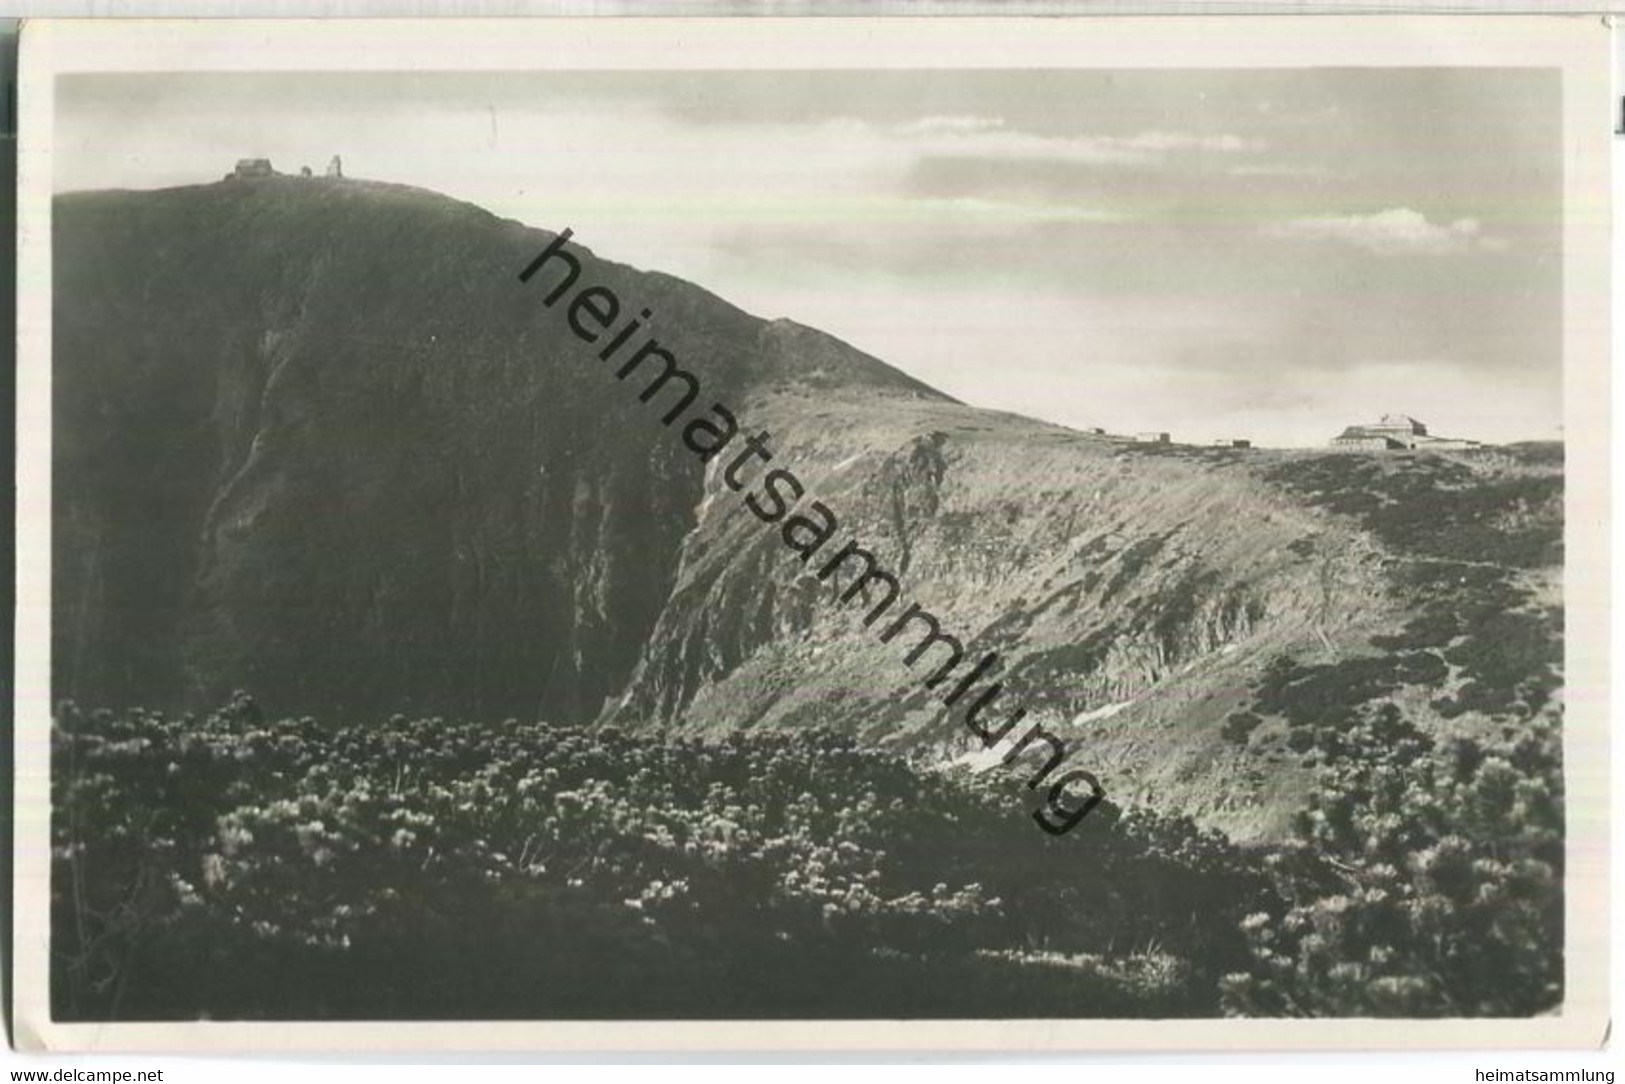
column 894, row 534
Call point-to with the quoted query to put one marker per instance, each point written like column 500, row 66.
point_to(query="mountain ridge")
column 315, row 440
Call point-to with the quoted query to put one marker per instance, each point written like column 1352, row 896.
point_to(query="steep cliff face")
column 316, row 440
column 1131, row 594
column 315, row 437
column 1197, row 624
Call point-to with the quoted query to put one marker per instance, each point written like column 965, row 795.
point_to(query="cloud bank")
column 1397, row 231
column 1261, row 254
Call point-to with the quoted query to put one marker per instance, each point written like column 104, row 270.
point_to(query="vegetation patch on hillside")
column 245, row 868
column 1465, row 534
column 1431, row 876
column 1429, row 505
column 1131, row 562
column 1331, row 694
column 1052, row 677
column 235, row 867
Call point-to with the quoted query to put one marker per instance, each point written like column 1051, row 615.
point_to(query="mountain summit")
column 315, row 439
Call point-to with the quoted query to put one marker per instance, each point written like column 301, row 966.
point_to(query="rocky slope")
column 1198, row 623
column 314, row 439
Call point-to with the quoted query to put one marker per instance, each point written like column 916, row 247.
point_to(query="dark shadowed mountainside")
column 314, row 439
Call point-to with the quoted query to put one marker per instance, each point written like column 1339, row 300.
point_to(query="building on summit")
column 255, row 168
column 1396, row 432
column 248, row 168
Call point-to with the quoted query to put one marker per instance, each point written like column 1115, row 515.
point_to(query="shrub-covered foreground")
column 233, row 867
column 1427, row 880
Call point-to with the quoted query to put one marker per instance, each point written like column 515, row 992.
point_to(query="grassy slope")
column 1144, row 599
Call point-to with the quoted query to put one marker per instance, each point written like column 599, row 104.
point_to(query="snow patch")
column 1104, row 712
column 982, row 760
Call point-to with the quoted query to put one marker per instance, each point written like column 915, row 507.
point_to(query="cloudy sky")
column 1269, row 254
